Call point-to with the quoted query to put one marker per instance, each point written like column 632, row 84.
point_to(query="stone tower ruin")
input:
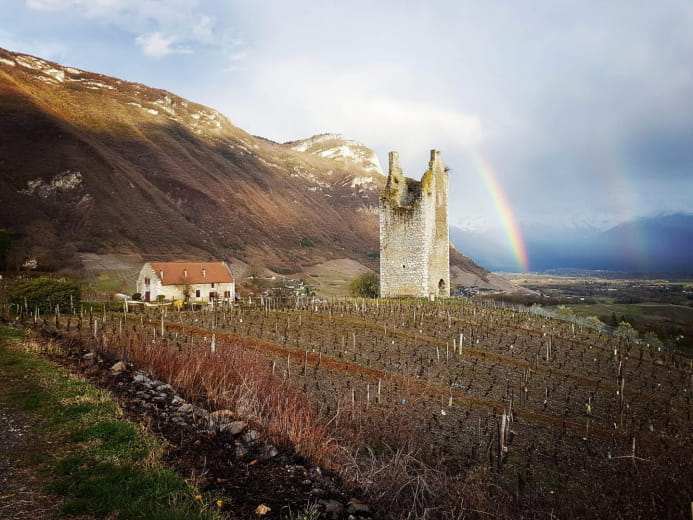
column 414, row 241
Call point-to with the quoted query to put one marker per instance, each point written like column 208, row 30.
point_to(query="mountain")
column 344, row 151
column 93, row 165
column 659, row 244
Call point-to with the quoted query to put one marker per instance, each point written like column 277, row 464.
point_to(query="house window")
column 227, row 294
column 197, row 293
column 212, row 285
column 147, row 281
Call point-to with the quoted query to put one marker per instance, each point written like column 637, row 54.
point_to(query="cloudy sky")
column 547, row 111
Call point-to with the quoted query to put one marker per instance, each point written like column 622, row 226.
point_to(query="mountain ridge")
column 656, row 244
column 94, row 164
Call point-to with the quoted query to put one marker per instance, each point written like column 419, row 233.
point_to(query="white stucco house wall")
column 203, row 281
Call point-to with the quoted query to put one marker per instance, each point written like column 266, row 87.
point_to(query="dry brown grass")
column 394, row 478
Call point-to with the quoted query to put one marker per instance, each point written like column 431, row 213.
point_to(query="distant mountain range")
column 92, row 164
column 660, row 244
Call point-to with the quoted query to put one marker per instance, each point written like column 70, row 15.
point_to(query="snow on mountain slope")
column 342, row 150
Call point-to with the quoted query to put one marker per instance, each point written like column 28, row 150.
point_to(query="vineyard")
column 448, row 409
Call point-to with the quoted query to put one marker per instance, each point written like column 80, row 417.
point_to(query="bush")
column 137, row 297
column 45, row 294
column 365, row 285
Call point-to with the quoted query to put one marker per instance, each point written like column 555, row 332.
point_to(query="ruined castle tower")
column 414, row 241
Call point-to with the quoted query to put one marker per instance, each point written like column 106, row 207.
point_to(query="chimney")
column 204, row 273
column 161, row 274
column 185, row 273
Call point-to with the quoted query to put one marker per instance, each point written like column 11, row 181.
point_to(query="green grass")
column 604, row 309
column 663, row 310
column 102, row 465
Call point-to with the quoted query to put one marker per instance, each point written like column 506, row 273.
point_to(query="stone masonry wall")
column 403, row 267
column 439, row 252
column 414, row 242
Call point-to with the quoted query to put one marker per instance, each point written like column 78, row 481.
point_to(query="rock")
column 222, row 415
column 317, row 492
column 201, row 413
column 241, row 451
column 269, row 452
column 163, row 388
column 251, row 436
column 89, row 356
column 234, row 428
column 332, row 506
column 140, row 378
column 358, row 508
column 119, row 367
column 262, row 510
column 185, row 408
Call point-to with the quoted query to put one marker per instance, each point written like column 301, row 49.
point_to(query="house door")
column 441, row 287
column 147, row 296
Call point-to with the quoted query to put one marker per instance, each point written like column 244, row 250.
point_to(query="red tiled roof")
column 174, row 273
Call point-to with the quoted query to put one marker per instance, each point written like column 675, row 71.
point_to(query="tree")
column 365, row 285
column 626, row 330
column 565, row 312
column 652, row 339
column 187, row 292
column 594, row 323
column 44, row 294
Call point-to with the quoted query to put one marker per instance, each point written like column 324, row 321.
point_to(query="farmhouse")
column 186, row 281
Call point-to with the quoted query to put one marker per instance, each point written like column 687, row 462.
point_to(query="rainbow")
column 510, row 225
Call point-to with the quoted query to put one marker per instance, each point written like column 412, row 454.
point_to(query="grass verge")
column 100, row 463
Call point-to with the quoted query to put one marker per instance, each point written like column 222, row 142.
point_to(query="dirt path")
column 20, row 489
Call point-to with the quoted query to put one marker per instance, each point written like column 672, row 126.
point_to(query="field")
column 661, row 307
column 450, row 409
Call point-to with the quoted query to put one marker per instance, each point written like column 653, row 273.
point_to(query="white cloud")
column 382, row 106
column 90, row 7
column 157, row 45
column 160, row 27
column 204, row 29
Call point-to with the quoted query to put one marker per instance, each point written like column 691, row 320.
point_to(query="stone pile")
column 152, row 396
column 151, row 393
